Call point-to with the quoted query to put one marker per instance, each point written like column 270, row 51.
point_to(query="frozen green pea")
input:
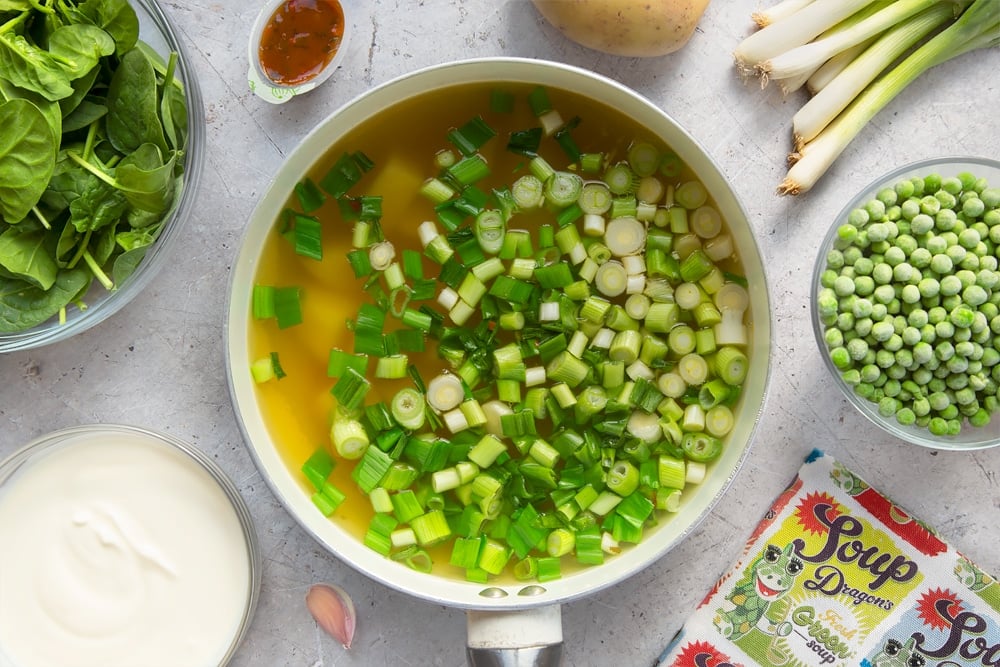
column 904, row 189
column 920, row 223
column 843, row 286
column 922, row 352
column 974, row 295
column 851, row 377
column 888, row 406
column 858, row 217
column 952, row 185
column 840, row 357
column 910, row 336
column 834, row 337
column 950, row 285
column 945, row 199
column 893, row 343
column 990, row 197
column 969, row 238
column 884, row 294
column 928, row 287
column 957, row 364
column 857, row 348
column 945, row 328
column 970, row 262
column 905, row 416
column 941, row 264
column 952, row 301
column 956, row 253
column 835, row 259
column 966, row 277
column 862, row 308
column 980, row 419
column 877, row 232
column 864, row 285
column 863, row 266
column 920, row 258
column 904, row 358
column 916, row 318
column 936, row 244
column 938, row 426
column 894, row 255
column 930, row 205
column 902, row 272
column 944, row 350
column 882, row 274
column 847, row 233
column 882, row 330
column 945, row 220
column 965, row 396
column 870, row 373
column 875, row 209
column 962, row 317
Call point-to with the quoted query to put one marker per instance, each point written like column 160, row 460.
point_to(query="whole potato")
column 638, row 28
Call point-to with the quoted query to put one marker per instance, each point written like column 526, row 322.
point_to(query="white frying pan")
column 514, row 624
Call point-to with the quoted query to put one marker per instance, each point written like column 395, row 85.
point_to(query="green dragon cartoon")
column 768, row 580
column 895, row 654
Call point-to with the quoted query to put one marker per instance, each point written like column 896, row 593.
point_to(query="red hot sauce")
column 300, row 39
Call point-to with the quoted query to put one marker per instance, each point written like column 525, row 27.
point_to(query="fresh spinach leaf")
column 127, row 262
column 23, row 305
column 79, row 48
column 133, row 114
column 117, row 17
column 97, row 206
column 14, row 5
column 27, row 158
column 146, row 180
column 27, row 66
column 84, row 115
column 49, row 109
column 25, row 255
column 82, row 87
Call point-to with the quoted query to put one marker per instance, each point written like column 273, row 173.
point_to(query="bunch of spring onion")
column 854, row 57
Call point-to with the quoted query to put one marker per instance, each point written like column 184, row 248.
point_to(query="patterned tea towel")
column 837, row 575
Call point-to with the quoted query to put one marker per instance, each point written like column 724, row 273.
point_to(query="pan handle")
column 525, row 638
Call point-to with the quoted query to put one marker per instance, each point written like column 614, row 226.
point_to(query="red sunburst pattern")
column 701, row 653
column 927, row 608
column 806, row 511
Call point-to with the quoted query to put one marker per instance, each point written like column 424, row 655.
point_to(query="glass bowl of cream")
column 122, row 547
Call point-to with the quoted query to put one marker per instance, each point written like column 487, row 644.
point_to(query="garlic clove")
column 333, row 610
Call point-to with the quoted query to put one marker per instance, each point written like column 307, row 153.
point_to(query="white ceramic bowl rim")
column 288, row 488
column 971, row 438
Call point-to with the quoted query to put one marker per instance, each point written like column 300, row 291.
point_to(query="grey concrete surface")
column 159, row 363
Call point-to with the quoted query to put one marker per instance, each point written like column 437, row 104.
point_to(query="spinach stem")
column 98, row 273
column 92, row 169
column 41, row 217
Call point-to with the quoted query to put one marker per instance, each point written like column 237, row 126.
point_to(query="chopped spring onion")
column 408, row 408
column 644, row 158
column 470, row 137
column 625, row 236
column 620, row 178
column 582, row 353
column 563, row 188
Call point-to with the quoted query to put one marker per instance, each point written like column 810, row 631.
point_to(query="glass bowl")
column 100, row 545
column 970, row 437
column 156, row 30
